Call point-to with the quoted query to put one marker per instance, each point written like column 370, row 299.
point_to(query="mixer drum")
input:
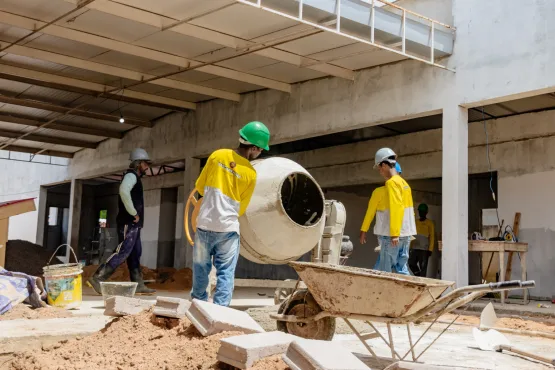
column 285, row 217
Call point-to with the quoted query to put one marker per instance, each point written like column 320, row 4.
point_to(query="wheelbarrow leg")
column 391, row 341
column 410, row 342
column 393, row 352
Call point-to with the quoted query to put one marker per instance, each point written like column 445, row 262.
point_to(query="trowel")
column 492, row 340
column 488, row 320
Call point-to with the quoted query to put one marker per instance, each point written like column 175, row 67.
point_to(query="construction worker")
column 226, row 184
column 129, row 221
column 394, row 225
column 378, row 202
column 422, row 246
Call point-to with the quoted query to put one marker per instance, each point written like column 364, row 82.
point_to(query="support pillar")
column 75, row 201
column 455, row 195
column 42, row 216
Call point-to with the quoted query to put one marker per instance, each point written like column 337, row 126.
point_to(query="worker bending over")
column 129, row 221
column 396, row 223
column 422, row 246
column 378, row 202
column 226, row 184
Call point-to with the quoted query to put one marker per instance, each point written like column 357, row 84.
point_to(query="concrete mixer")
column 287, row 217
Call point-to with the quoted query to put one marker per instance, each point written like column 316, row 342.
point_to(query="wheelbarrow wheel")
column 303, row 305
column 281, row 294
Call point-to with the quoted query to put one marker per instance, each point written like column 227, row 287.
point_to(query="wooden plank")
column 516, row 226
column 17, row 209
column 492, row 246
column 3, row 240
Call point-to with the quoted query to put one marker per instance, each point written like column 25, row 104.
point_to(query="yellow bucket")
column 64, row 284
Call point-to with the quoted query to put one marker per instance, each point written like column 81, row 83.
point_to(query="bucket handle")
column 56, row 251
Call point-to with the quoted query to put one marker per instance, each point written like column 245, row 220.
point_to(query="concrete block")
column 304, row 354
column 171, row 307
column 244, row 350
column 123, row 306
column 210, row 319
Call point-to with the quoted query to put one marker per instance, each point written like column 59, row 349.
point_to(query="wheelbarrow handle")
column 504, row 285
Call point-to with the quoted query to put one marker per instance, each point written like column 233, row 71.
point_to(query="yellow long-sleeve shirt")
column 401, row 211
column 227, row 183
column 378, row 202
column 426, row 229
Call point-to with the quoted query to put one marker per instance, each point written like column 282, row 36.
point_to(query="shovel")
column 492, row 340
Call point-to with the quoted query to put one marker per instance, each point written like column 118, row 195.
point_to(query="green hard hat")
column 257, row 134
column 423, row 207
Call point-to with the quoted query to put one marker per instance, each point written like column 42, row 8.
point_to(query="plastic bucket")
column 64, row 284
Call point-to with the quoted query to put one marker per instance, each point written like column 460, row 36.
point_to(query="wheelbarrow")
column 372, row 296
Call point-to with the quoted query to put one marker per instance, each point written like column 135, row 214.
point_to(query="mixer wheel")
column 304, row 305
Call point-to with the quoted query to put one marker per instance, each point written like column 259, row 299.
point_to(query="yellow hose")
column 196, row 204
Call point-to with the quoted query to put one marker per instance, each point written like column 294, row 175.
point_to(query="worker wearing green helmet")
column 422, row 246
column 226, row 184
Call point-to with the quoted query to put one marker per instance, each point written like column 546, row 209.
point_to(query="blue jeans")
column 223, row 250
column 394, row 258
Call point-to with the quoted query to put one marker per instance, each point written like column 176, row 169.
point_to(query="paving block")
column 304, row 354
column 171, row 307
column 210, row 319
column 243, row 351
column 123, row 306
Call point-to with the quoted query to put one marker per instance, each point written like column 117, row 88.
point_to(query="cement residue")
column 134, row 342
column 22, row 311
column 507, row 323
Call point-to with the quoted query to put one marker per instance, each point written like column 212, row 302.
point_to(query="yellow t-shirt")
column 401, row 211
column 226, row 184
column 426, row 229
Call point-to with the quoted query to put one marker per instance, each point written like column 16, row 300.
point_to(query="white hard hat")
column 385, row 154
column 139, row 154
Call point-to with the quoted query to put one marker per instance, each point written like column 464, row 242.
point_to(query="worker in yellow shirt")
column 396, row 224
column 226, row 184
column 378, row 202
column 422, row 246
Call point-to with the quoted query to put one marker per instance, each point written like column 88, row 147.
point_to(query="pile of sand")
column 26, row 257
column 506, row 322
column 167, row 278
column 22, row 311
column 135, row 342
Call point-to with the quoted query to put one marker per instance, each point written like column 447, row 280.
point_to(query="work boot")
column 137, row 277
column 103, row 273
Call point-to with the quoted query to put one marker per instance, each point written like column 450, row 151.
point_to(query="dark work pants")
column 418, row 262
column 129, row 248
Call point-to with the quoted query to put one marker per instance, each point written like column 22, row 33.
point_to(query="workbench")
column 501, row 248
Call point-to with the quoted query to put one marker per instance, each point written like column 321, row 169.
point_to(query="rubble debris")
column 123, row 306
column 27, row 257
column 134, row 342
column 304, row 354
column 171, row 307
column 244, row 350
column 209, row 318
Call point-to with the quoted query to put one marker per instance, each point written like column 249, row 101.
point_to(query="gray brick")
column 123, row 306
column 304, row 354
column 171, row 307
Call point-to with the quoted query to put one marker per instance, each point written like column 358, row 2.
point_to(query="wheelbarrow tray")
column 345, row 290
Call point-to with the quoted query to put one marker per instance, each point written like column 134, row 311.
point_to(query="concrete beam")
column 48, row 139
column 58, row 126
column 25, row 149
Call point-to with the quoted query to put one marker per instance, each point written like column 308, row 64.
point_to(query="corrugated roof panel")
column 14, row 127
column 177, row 9
column 230, row 85
column 38, row 9
column 12, row 88
column 185, row 95
column 178, row 44
column 10, row 34
column 243, row 63
column 127, row 61
column 69, row 135
column 143, row 111
column 98, row 124
column 191, row 76
column 316, row 43
column 66, row 47
column 31, row 63
column 369, row 59
column 49, row 95
column 83, row 74
column 287, row 73
column 110, row 26
column 32, row 112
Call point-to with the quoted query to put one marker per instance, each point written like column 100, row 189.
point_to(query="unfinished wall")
column 22, row 179
column 166, row 228
column 532, row 195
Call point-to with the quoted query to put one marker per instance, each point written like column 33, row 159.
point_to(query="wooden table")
column 501, row 248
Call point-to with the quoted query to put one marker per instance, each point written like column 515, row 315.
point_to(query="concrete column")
column 75, row 200
column 41, row 216
column 179, row 250
column 455, row 195
column 151, row 228
column 184, row 253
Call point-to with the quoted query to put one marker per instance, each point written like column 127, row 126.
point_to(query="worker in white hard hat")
column 129, row 220
column 395, row 225
column 378, row 202
column 226, row 184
